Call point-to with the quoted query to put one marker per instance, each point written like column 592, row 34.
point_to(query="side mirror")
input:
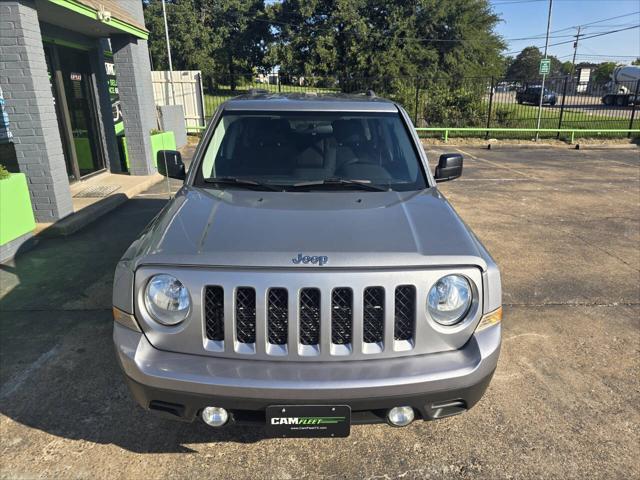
column 449, row 167
column 170, row 164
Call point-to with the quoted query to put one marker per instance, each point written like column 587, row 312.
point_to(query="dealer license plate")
column 308, row 420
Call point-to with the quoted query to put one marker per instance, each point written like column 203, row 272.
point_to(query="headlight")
column 449, row 299
column 167, row 299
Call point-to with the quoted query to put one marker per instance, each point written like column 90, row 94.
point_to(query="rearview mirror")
column 449, row 167
column 170, row 164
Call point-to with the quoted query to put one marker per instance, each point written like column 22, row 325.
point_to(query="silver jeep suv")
column 307, row 276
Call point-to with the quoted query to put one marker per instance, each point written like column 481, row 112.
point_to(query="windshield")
column 309, row 150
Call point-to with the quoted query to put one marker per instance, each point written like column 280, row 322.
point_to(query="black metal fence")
column 472, row 102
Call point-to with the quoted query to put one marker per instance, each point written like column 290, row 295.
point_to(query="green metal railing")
column 446, row 130
column 571, row 131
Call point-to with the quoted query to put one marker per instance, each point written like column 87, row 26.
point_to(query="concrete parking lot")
column 564, row 226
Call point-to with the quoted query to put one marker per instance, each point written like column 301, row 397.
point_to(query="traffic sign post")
column 545, row 66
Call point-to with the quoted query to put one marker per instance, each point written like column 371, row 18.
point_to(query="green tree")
column 390, row 46
column 370, row 38
column 567, row 68
column 526, row 66
column 191, row 42
column 239, row 31
column 636, row 61
column 602, row 72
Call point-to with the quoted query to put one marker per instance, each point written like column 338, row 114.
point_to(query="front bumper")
column 180, row 385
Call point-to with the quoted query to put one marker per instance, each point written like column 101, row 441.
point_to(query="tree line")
column 345, row 39
column 398, row 48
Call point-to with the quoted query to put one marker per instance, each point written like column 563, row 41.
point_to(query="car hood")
column 242, row 228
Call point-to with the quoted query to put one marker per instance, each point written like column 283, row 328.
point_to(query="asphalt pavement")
column 563, row 225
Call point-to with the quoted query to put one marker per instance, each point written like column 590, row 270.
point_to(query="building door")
column 73, row 90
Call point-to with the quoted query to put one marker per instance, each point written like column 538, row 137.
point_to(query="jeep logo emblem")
column 319, row 260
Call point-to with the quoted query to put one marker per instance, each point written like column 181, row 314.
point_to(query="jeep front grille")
column 267, row 316
column 308, row 314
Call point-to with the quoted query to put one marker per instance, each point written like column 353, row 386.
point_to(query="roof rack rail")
column 257, row 91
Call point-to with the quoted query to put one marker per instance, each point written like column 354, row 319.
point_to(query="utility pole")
column 544, row 75
column 575, row 52
column 166, row 36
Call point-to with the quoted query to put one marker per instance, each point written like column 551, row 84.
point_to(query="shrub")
column 4, row 173
column 504, row 117
column 454, row 107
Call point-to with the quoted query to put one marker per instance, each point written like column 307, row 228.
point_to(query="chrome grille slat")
column 309, row 316
column 246, row 315
column 405, row 312
column 214, row 313
column 341, row 316
column 278, row 316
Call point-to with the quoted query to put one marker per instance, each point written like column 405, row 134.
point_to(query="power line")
column 598, row 35
column 591, row 23
column 512, row 2
column 583, row 38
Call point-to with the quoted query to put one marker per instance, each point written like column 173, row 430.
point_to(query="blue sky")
column 528, row 18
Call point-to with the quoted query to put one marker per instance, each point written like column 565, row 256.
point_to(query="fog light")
column 400, row 416
column 215, row 416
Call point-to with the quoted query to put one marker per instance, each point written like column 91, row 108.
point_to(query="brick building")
column 73, row 74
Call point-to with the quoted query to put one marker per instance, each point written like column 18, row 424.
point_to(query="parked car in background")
column 531, row 94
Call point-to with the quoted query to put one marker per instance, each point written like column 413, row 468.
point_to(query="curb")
column 89, row 214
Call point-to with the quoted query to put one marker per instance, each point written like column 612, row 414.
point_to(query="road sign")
column 545, row 66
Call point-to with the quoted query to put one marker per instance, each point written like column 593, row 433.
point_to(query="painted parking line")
column 16, row 382
column 493, row 180
column 526, row 175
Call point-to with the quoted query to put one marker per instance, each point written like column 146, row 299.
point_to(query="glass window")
column 288, row 149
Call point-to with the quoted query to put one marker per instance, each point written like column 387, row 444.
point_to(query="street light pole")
column 166, row 36
column 544, row 75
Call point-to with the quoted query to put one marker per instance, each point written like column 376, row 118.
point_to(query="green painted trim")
column 66, row 43
column 87, row 11
column 16, row 214
column 127, row 27
column 572, row 131
column 496, row 129
column 161, row 141
column 124, row 152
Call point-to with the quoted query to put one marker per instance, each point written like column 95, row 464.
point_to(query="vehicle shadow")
column 59, row 373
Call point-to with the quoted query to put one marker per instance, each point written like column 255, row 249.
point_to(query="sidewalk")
column 96, row 196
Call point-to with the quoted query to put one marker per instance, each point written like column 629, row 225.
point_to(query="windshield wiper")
column 332, row 182
column 240, row 182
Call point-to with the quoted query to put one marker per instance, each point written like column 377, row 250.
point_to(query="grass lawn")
column 513, row 115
